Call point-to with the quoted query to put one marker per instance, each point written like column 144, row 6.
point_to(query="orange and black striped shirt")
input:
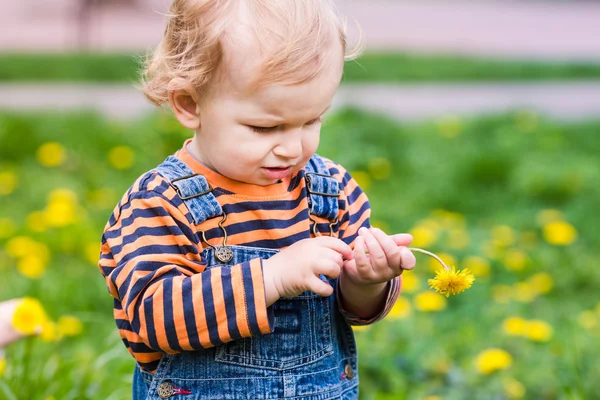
column 166, row 300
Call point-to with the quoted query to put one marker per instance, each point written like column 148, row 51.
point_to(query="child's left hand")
column 387, row 257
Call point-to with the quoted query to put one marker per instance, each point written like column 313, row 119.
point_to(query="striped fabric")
column 151, row 259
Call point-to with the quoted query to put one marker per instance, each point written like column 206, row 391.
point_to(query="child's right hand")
column 296, row 269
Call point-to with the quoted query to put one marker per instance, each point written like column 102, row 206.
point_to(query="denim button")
column 165, row 390
column 349, row 371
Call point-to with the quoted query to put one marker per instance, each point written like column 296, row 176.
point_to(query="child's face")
column 229, row 141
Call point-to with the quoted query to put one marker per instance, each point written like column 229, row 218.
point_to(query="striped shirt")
column 165, row 300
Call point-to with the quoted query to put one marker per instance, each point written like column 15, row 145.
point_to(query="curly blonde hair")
column 192, row 46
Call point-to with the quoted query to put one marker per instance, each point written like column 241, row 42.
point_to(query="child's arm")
column 152, row 264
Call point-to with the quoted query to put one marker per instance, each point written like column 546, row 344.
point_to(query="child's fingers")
column 319, row 286
column 377, row 256
column 391, row 250
column 402, row 239
column 360, row 257
column 407, row 259
column 336, row 244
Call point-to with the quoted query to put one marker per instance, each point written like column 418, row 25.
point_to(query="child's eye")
column 315, row 121
column 262, row 129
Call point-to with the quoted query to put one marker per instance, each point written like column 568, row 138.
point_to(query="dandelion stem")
column 430, row 255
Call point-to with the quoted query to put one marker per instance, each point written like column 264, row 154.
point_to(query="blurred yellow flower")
column 515, row 260
column 362, row 178
column 8, row 183
column 560, row 233
column 538, row 331
column 31, row 266
column 449, row 282
column 51, row 154
column 587, row 319
column 526, row 121
column 548, row 216
column 449, row 219
column 502, row 293
column 431, row 224
column 524, row 292
column 61, row 209
column 448, row 259
column 380, row 168
column 401, row 309
column 493, row 359
column 19, row 246
column 69, row 325
column 7, row 228
column 514, row 326
column 542, row 282
column 36, row 221
column 361, row 328
column 503, row 235
column 458, row 239
column 449, row 126
column 2, row 365
column 121, row 157
column 50, row 332
column 423, row 236
column 102, row 198
column 430, row 301
column 478, row 265
column 92, row 253
column 410, row 282
column 29, row 316
column 513, row 388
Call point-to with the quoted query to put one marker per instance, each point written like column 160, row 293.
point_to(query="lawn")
column 371, row 67
column 513, row 197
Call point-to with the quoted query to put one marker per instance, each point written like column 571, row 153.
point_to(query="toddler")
column 238, row 265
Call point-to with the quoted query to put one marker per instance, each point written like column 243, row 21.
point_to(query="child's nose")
column 290, row 146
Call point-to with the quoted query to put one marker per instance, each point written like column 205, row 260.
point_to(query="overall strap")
column 193, row 189
column 323, row 191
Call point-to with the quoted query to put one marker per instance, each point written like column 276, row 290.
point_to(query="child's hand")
column 386, row 259
column 296, row 269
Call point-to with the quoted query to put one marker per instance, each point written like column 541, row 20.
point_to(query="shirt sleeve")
column 169, row 297
column 355, row 212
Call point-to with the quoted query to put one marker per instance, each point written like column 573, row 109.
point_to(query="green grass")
column 81, row 67
column 498, row 170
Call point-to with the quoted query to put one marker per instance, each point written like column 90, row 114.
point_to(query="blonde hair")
column 192, row 46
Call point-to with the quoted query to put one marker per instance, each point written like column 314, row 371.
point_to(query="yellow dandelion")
column 560, row 233
column 61, row 209
column 513, row 388
column 503, row 235
column 538, row 331
column 587, row 319
column 69, row 325
column 514, row 326
column 19, row 246
column 429, row 301
column 362, row 178
column 449, row 126
column 8, row 183
column 2, row 365
column 449, row 282
column 515, row 260
column 50, row 332
column 51, row 154
column 410, row 282
column 29, row 316
column 31, row 266
column 401, row 309
column 121, row 157
column 502, row 293
column 542, row 282
column 7, row 228
column 380, row 168
column 479, row 266
column 548, row 216
column 36, row 221
column 449, row 219
column 493, row 359
column 458, row 239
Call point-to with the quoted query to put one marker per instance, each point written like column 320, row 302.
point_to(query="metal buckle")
column 308, row 189
column 210, row 188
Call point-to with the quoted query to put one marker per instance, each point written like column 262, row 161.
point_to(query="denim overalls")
column 311, row 353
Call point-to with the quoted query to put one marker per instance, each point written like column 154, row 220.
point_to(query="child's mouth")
column 277, row 172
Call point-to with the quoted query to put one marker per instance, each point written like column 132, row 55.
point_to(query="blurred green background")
column 512, row 196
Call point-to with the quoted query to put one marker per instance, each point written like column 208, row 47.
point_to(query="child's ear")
column 184, row 100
